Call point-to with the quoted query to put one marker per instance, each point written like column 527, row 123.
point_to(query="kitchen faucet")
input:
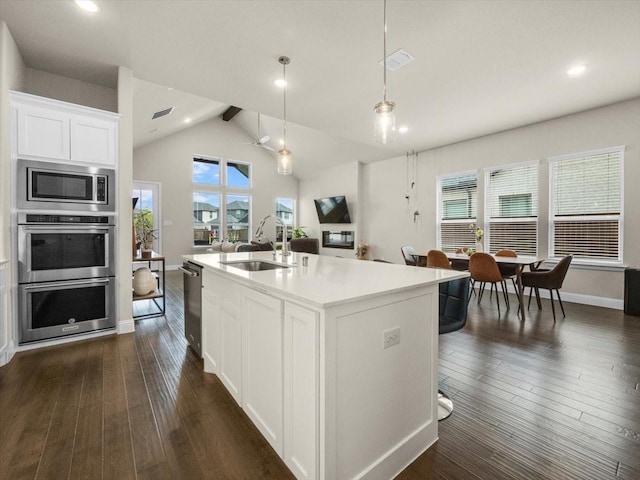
column 258, row 234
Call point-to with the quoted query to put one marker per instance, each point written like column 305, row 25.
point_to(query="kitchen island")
column 335, row 362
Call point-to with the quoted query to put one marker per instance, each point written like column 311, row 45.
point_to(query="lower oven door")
column 56, row 309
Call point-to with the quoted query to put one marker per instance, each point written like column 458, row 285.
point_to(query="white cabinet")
column 52, row 130
column 211, row 331
column 301, row 391
column 262, row 364
column 231, row 350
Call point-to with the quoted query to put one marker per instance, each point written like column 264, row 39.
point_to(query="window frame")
column 224, row 191
column 488, row 221
column 467, row 242
column 587, row 261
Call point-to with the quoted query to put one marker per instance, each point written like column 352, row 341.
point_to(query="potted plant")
column 298, row 232
column 145, row 233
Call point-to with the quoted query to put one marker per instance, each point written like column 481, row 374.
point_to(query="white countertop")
column 326, row 281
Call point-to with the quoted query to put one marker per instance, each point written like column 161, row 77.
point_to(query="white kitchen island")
column 335, row 362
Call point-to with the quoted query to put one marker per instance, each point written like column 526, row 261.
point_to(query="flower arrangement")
column 361, row 251
column 479, row 233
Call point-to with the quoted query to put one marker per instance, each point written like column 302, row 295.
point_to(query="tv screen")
column 332, row 210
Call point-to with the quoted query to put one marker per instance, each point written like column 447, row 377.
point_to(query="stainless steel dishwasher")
column 192, row 276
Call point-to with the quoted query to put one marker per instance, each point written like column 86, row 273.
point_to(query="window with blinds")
column 511, row 208
column 457, row 209
column 586, row 206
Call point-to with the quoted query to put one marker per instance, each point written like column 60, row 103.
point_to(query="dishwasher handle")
column 188, row 271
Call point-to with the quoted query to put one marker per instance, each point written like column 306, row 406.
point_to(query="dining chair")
column 548, row 279
column 453, row 301
column 508, row 271
column 484, row 269
column 438, row 259
column 409, row 255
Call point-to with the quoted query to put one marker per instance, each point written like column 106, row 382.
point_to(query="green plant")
column 298, row 232
column 145, row 233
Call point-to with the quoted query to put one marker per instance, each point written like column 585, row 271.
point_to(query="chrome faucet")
column 258, row 234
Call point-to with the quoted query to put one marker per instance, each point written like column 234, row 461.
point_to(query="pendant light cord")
column 284, row 133
column 384, row 53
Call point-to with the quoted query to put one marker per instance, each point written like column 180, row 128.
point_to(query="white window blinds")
column 457, row 209
column 586, row 205
column 511, row 208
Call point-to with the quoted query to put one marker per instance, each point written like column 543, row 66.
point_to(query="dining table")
column 519, row 263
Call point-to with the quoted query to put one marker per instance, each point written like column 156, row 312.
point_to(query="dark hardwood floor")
column 533, row 400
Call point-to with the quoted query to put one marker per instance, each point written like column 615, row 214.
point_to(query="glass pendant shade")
column 385, row 122
column 284, row 162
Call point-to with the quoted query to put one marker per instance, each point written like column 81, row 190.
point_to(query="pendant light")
column 284, row 155
column 385, row 119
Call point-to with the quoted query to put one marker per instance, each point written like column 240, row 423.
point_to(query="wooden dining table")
column 519, row 262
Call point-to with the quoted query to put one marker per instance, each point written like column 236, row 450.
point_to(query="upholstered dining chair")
column 453, row 301
column 438, row 259
column 306, row 245
column 484, row 269
column 548, row 279
column 409, row 255
column 508, row 271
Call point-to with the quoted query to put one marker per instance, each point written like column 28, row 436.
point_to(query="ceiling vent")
column 397, row 59
column 162, row 113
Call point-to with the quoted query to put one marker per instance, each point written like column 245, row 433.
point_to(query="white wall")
column 70, row 90
column 388, row 223
column 339, row 180
column 12, row 70
column 169, row 162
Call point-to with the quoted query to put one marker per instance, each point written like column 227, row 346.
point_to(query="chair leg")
column 481, row 291
column 553, row 309
column 560, row 300
column 530, row 292
column 472, row 289
column 495, row 285
column 537, row 290
column 504, row 293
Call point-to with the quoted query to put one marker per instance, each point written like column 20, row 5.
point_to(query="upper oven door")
column 64, row 252
column 55, row 186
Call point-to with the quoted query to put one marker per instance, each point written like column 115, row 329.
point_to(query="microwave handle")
column 67, row 283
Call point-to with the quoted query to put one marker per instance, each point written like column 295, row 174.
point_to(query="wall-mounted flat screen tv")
column 332, row 210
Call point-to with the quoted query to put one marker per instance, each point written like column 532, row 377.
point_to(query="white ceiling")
column 480, row 67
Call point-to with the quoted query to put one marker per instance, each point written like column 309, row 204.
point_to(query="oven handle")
column 69, row 283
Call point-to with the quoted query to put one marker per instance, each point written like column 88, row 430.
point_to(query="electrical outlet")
column 391, row 337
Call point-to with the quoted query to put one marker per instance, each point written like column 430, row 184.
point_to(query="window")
column 284, row 210
column 221, row 204
column 511, row 208
column 586, row 206
column 457, row 209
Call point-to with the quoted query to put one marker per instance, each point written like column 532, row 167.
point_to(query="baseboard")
column 126, row 326
column 606, row 302
column 7, row 353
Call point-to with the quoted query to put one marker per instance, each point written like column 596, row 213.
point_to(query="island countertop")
column 326, row 281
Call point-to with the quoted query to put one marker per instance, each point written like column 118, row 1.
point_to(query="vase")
column 143, row 281
column 479, row 247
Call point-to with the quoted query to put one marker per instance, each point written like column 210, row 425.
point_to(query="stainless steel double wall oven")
column 66, row 249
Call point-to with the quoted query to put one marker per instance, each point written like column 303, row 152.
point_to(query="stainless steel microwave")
column 57, row 186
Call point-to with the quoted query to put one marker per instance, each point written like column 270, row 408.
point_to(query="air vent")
column 162, row 113
column 397, row 59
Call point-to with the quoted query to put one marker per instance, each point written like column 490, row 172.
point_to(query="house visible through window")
column 457, row 209
column 285, row 211
column 221, row 203
column 586, row 206
column 511, row 208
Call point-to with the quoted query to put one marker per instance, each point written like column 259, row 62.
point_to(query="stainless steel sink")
column 254, row 265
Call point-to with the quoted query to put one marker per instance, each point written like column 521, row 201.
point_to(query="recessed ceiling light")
column 403, row 129
column 281, row 82
column 88, row 5
column 577, row 70
column 281, row 141
column 187, row 120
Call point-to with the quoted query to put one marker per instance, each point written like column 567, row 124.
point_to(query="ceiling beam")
column 230, row 112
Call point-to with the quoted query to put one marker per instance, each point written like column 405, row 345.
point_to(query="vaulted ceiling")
column 480, row 66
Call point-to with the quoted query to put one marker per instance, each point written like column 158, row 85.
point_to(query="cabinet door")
column 301, row 391
column 211, row 332
column 93, row 140
column 262, row 364
column 231, row 350
column 43, row 133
